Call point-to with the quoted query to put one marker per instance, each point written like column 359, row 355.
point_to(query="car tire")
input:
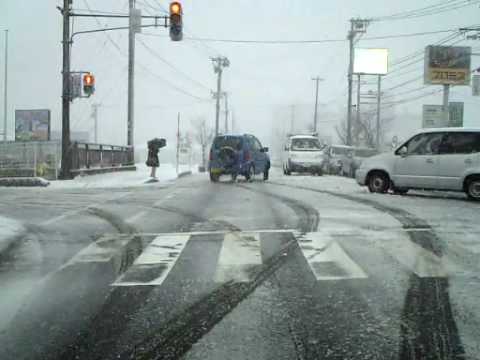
column 288, row 172
column 378, row 182
column 214, row 178
column 234, row 177
column 472, row 188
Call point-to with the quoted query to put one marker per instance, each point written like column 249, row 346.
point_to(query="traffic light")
column 88, row 84
column 176, row 21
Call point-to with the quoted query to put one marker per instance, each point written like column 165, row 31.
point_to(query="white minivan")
column 303, row 153
column 436, row 159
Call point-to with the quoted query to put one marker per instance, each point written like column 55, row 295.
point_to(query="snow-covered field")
column 165, row 173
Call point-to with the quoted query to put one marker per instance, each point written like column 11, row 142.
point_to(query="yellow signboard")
column 448, row 65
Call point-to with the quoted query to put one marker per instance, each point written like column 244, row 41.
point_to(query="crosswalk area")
column 233, row 255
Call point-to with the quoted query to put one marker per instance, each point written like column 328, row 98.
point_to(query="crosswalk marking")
column 156, row 261
column 240, row 251
column 422, row 262
column 327, row 259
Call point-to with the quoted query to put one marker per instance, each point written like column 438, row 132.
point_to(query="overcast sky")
column 264, row 79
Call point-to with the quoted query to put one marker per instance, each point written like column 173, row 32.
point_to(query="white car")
column 435, row 159
column 303, row 153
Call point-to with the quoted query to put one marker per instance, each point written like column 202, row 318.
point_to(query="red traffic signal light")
column 88, row 84
column 176, row 21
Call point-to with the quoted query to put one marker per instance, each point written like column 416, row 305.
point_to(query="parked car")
column 360, row 154
column 437, row 159
column 238, row 155
column 303, row 153
column 340, row 160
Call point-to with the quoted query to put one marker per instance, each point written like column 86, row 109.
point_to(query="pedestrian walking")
column 154, row 146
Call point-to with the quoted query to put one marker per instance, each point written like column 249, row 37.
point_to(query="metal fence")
column 87, row 156
column 34, row 158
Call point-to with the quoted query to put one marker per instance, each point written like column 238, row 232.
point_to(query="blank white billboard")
column 371, row 61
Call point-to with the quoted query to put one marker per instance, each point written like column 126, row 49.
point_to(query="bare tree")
column 203, row 135
column 364, row 132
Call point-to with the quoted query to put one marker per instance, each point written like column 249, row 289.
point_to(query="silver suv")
column 436, row 159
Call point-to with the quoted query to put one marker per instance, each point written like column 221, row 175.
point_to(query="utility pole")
column 379, row 97
column 131, row 75
column 218, row 64
column 66, row 150
column 292, row 119
column 226, row 111
column 233, row 122
column 315, row 116
column 5, row 90
column 446, row 96
column 357, row 122
column 95, row 108
column 357, row 26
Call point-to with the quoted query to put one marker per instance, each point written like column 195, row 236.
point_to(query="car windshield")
column 239, row 180
column 306, row 144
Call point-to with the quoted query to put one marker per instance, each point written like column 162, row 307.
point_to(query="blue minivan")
column 238, row 155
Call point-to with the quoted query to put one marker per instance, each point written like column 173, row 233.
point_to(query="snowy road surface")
column 295, row 268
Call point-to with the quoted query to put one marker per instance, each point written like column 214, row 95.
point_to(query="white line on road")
column 155, row 263
column 240, row 251
column 327, row 259
column 422, row 262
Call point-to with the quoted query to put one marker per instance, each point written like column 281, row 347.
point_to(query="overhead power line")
column 441, row 7
column 319, row 41
column 169, row 64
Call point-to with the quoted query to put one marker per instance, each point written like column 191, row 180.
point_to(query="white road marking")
column 239, row 252
column 422, row 262
column 327, row 259
column 156, row 261
column 134, row 218
column 100, row 251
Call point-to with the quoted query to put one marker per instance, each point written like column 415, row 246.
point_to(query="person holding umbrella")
column 154, row 146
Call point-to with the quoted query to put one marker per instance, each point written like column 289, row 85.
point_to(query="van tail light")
column 247, row 155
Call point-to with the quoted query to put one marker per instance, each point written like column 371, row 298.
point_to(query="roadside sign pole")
column 379, row 97
column 446, row 95
column 357, row 122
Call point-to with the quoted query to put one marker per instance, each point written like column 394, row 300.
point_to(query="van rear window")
column 234, row 142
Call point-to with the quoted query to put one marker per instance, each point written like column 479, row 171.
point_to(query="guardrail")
column 33, row 158
column 88, row 156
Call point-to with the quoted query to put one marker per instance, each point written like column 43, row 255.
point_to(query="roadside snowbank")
column 165, row 173
column 9, row 229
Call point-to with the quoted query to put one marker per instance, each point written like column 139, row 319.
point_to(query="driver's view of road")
column 240, row 180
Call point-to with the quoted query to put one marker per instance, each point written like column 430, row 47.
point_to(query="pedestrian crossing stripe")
column 156, row 261
column 242, row 251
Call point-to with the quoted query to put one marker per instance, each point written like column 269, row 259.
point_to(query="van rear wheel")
column 214, row 177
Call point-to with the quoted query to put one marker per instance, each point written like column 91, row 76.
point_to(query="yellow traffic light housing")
column 88, row 84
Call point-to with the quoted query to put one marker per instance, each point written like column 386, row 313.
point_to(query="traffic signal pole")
column 131, row 77
column 66, row 165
